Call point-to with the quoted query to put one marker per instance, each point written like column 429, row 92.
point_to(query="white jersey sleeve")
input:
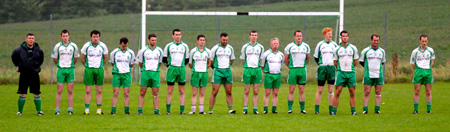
column 133, row 58
column 186, row 51
column 166, row 50
column 190, row 55
column 140, row 56
column 112, row 56
column 76, row 54
column 84, row 48
column 413, row 57
column 212, row 54
column 232, row 53
column 243, row 51
column 355, row 53
column 105, row 49
column 316, row 51
column 263, row 58
column 55, row 52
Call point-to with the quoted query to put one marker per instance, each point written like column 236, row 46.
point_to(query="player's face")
column 224, row 40
column 65, row 37
column 253, row 37
column 176, row 36
column 375, row 40
column 344, row 37
column 423, row 41
column 328, row 36
column 298, row 36
column 152, row 41
column 123, row 45
column 274, row 44
column 201, row 41
column 29, row 40
column 95, row 38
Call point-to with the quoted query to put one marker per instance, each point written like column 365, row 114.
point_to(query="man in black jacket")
column 29, row 58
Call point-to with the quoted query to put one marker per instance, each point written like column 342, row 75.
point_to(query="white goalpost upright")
column 215, row 13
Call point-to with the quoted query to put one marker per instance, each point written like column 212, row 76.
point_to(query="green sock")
column 334, row 109
column 416, row 106
column 99, row 106
column 255, row 108
column 266, row 108
column 168, row 107
column 428, row 106
column 366, row 108
column 302, row 105
column 211, row 108
column 127, row 109
column 274, row 108
column 37, row 103
column 353, row 109
column 330, row 108
column 245, row 108
column 140, row 109
column 86, row 105
column 317, row 108
column 290, row 103
column 156, row 111
column 181, row 108
column 230, row 107
column 377, row 108
column 113, row 110
column 21, row 103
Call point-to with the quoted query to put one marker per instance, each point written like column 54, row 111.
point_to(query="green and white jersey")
column 373, row 61
column 176, row 53
column 65, row 54
column 150, row 58
column 272, row 62
column 324, row 51
column 297, row 54
column 251, row 54
column 122, row 60
column 221, row 56
column 345, row 57
column 94, row 54
column 422, row 59
column 199, row 59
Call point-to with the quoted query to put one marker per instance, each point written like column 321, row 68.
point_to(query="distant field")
column 406, row 21
column 396, row 109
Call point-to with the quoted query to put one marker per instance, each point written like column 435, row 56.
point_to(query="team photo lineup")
column 262, row 64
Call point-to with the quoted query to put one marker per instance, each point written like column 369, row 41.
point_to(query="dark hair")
column 95, row 32
column 296, row 31
column 200, row 35
column 253, row 31
column 151, row 35
column 423, row 36
column 65, row 31
column 175, row 30
column 124, row 40
column 224, row 35
column 29, row 34
column 374, row 35
column 343, row 31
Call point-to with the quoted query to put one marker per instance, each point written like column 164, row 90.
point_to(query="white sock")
column 99, row 110
column 86, row 110
column 200, row 108
column 193, row 108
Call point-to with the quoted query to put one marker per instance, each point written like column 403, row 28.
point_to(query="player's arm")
column 355, row 62
column 316, row 53
column 307, row 58
column 75, row 60
column 15, row 57
column 83, row 58
column 432, row 62
column 335, row 63
column 140, row 64
column 56, row 61
column 286, row 59
column 231, row 62
column 105, row 58
column 412, row 60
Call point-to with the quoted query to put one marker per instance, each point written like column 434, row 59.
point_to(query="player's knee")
column 88, row 92
column 59, row 92
column 319, row 91
column 378, row 93
column 228, row 93
column 416, row 93
column 275, row 94
column 181, row 92
column 428, row 93
column 126, row 95
column 366, row 93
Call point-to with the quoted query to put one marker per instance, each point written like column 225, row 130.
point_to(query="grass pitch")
column 396, row 108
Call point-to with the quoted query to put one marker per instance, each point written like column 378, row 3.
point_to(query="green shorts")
column 149, row 79
column 252, row 75
column 222, row 76
column 345, row 79
column 423, row 76
column 373, row 81
column 121, row 80
column 176, row 74
column 297, row 76
column 94, row 76
column 272, row 81
column 199, row 79
column 325, row 73
column 65, row 75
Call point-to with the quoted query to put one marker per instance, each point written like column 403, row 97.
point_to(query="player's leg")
column 255, row 97
column 87, row 98
column 98, row 90
column 114, row 100
column 229, row 96
column 301, row 89
column 70, row 97
column 245, row 98
column 170, row 86
column 194, row 100
column 428, row 96
column 320, row 85
column 291, row 97
column 266, row 100
column 330, row 94
column 337, row 93
column 201, row 100
column 155, row 93
column 141, row 99
column 378, row 89
column 212, row 99
column 351, row 91
column 22, row 91
column 416, row 97
column 367, row 90
column 182, row 96
column 275, row 100
column 35, row 88
column 59, row 90
column 126, row 100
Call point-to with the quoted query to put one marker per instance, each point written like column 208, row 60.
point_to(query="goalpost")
column 340, row 15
